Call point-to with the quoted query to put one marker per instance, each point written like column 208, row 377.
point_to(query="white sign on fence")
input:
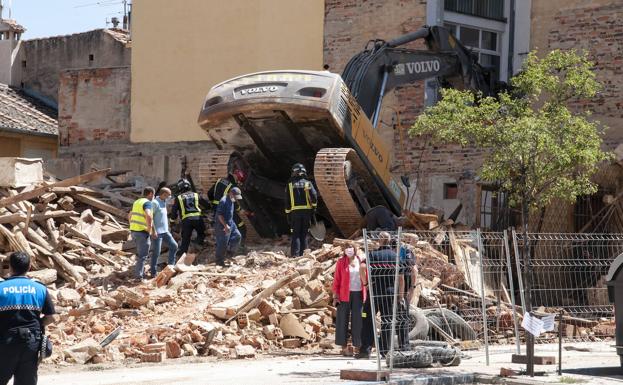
column 532, row 324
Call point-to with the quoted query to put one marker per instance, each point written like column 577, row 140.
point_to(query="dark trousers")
column 367, row 327
column 188, row 225
column 299, row 226
column 243, row 234
column 349, row 312
column 385, row 305
column 20, row 361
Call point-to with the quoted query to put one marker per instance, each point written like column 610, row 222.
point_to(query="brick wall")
column 594, row 25
column 41, row 60
column 597, row 29
column 94, row 106
column 349, row 25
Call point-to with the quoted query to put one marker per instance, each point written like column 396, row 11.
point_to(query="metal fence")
column 568, row 274
column 437, row 294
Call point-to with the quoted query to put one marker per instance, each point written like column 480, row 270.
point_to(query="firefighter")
column 300, row 202
column 188, row 204
column 220, row 189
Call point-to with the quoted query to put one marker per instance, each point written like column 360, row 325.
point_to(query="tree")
column 540, row 145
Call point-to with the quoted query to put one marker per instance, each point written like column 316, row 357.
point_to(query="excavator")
column 264, row 122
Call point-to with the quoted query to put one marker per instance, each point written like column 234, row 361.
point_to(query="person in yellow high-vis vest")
column 141, row 228
column 300, row 204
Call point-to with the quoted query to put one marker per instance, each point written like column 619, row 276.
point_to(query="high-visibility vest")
column 183, row 207
column 138, row 222
column 308, row 204
column 228, row 185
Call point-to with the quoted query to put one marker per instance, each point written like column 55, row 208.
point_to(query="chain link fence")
column 439, row 295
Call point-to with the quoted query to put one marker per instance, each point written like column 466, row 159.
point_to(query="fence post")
column 511, row 285
column 395, row 307
column 482, row 292
column 372, row 306
column 519, row 273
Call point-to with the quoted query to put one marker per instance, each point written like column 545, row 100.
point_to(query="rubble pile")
column 264, row 302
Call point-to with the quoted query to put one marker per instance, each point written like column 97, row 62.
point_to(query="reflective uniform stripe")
column 307, row 204
column 227, row 188
column 183, row 207
column 138, row 221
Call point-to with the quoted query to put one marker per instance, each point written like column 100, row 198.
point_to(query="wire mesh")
column 568, row 273
column 427, row 274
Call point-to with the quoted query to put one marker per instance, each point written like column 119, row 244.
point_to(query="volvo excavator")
column 264, row 122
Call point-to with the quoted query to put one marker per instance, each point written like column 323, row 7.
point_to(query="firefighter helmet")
column 299, row 170
column 183, row 185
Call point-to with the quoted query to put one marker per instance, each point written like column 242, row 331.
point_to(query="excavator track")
column 331, row 174
column 215, row 165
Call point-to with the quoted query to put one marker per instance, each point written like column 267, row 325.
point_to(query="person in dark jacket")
column 225, row 229
column 188, row 204
column 220, row 189
column 382, row 277
column 25, row 308
column 301, row 200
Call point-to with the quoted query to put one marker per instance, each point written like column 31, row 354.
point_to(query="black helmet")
column 183, row 185
column 298, row 170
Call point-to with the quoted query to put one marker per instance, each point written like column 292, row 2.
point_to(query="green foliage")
column 537, row 146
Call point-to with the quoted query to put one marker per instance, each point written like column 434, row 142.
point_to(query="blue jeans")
column 141, row 238
column 157, row 246
column 225, row 242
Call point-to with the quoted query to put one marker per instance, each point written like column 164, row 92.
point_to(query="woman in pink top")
column 349, row 283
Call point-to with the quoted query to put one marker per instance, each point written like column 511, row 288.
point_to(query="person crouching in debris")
column 23, row 302
column 141, row 227
column 225, row 230
column 161, row 226
column 348, row 296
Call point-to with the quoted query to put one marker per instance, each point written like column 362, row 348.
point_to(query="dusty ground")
column 599, row 366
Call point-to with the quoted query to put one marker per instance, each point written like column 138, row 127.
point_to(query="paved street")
column 600, row 362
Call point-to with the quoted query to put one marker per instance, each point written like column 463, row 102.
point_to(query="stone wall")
column 154, row 162
column 42, row 60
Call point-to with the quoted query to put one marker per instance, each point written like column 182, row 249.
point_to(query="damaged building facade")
column 501, row 33
column 143, row 117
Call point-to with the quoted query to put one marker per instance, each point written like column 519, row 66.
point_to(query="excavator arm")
column 383, row 65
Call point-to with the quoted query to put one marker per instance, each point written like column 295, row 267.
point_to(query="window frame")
column 498, row 40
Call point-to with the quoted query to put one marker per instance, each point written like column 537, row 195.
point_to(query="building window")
column 489, row 9
column 23, row 63
column 450, row 191
column 486, row 44
column 91, row 57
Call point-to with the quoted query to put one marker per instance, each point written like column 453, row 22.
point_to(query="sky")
column 43, row 18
